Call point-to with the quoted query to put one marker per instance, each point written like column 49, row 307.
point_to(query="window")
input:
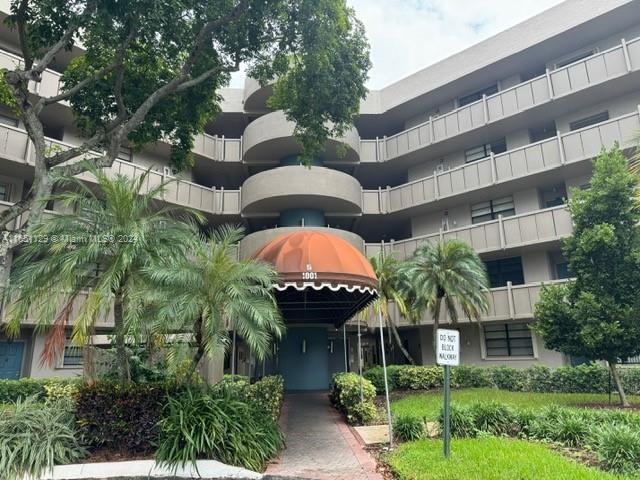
column 562, row 270
column 125, row 154
column 483, row 151
column 553, row 196
column 486, row 211
column 508, row 340
column 72, row 354
column 5, row 192
column 475, row 96
column 575, row 58
column 7, row 120
column 588, row 121
column 505, row 270
column 543, row 132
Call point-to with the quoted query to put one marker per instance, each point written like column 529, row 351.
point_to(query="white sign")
column 448, row 347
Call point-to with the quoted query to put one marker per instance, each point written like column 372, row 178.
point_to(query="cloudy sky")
column 407, row 35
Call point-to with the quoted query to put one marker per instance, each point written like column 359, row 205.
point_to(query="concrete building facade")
column 484, row 146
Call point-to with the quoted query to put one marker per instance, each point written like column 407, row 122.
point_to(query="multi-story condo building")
column 484, row 146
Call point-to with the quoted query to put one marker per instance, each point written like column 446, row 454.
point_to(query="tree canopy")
column 595, row 315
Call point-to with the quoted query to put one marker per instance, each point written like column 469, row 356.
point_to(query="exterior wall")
column 39, row 370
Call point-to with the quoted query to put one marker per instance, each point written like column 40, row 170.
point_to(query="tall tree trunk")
column 436, row 325
column 199, row 353
column 396, row 335
column 615, row 375
column 122, row 357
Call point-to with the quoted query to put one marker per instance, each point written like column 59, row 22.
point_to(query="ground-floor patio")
column 319, row 444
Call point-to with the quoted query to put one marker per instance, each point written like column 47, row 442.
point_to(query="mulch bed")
column 377, row 452
column 106, row 455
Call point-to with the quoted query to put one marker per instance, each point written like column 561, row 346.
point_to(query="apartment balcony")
column 601, row 67
column 270, row 138
column 546, row 155
column 538, row 227
column 16, row 146
column 278, row 189
column 252, row 242
column 255, row 95
column 512, row 302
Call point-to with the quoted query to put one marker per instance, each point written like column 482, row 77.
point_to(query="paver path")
column 319, row 445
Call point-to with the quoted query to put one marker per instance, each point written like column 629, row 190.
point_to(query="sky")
column 408, row 35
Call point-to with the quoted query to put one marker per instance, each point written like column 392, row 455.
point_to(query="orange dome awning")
column 322, row 277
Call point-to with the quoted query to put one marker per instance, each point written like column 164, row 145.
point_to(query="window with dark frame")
column 575, row 58
column 487, row 211
column 477, row 95
column 5, row 192
column 542, row 132
column 483, row 151
column 508, row 340
column 72, row 354
column 505, row 270
column 588, row 121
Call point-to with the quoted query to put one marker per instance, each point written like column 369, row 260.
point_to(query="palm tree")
column 391, row 288
column 90, row 261
column 206, row 294
column 449, row 272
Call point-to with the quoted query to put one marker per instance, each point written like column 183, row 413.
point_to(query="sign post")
column 447, row 354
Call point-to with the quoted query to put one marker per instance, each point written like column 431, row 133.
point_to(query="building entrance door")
column 11, row 360
column 303, row 358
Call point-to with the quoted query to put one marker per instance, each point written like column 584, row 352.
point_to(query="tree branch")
column 80, row 167
column 22, row 33
column 80, row 85
column 73, row 152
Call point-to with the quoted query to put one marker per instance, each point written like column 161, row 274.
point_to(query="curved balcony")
column 255, row 95
column 282, row 188
column 618, row 61
column 252, row 242
column 270, row 138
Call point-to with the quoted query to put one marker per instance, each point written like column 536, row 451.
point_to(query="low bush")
column 13, row 390
column 461, row 421
column 266, row 394
column 198, row 424
column 122, row 417
column 344, row 393
column 407, row 428
column 470, row 376
column 494, row 418
column 571, row 429
column 618, row 448
column 509, row 378
column 376, row 376
column 631, row 380
column 585, row 378
column 539, row 379
column 420, row 378
column 34, row 437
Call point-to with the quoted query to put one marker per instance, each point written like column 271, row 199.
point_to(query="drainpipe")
column 386, row 383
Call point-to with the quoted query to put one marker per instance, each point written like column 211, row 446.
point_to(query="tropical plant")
column 618, row 447
column 448, row 272
column 595, row 315
column 407, row 428
column 34, row 437
column 390, row 283
column 91, row 260
column 200, row 425
column 212, row 291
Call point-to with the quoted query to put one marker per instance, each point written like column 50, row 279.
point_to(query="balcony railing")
column 554, row 152
column 547, row 225
column 512, row 302
column 600, row 67
column 16, row 146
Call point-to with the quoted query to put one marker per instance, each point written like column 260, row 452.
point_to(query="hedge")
column 344, row 393
column 586, row 378
column 266, row 394
column 12, row 390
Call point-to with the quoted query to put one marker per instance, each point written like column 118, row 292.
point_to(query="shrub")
column 13, row 390
column 470, row 376
column 197, row 424
column 631, row 379
column 344, row 393
column 539, row 379
column 376, row 376
column 420, row 378
column 266, row 394
column 34, row 437
column 121, row 417
column 571, row 429
column 57, row 391
column 494, row 418
column 585, row 378
column 408, row 428
column 509, row 378
column 461, row 421
column 618, row 448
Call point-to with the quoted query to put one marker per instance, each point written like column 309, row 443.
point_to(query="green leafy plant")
column 462, row 421
column 618, row 448
column 267, row 394
column 344, row 393
column 493, row 417
column 13, row 390
column 571, row 429
column 470, row 376
column 376, row 376
column 420, row 378
column 509, row 378
column 34, row 437
column 201, row 425
column 408, row 428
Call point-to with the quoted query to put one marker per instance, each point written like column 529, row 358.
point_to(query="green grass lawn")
column 488, row 459
column 429, row 404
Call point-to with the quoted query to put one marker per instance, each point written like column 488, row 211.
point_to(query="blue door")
column 11, row 359
column 303, row 358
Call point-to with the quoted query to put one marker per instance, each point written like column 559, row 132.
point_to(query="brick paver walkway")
column 319, row 445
